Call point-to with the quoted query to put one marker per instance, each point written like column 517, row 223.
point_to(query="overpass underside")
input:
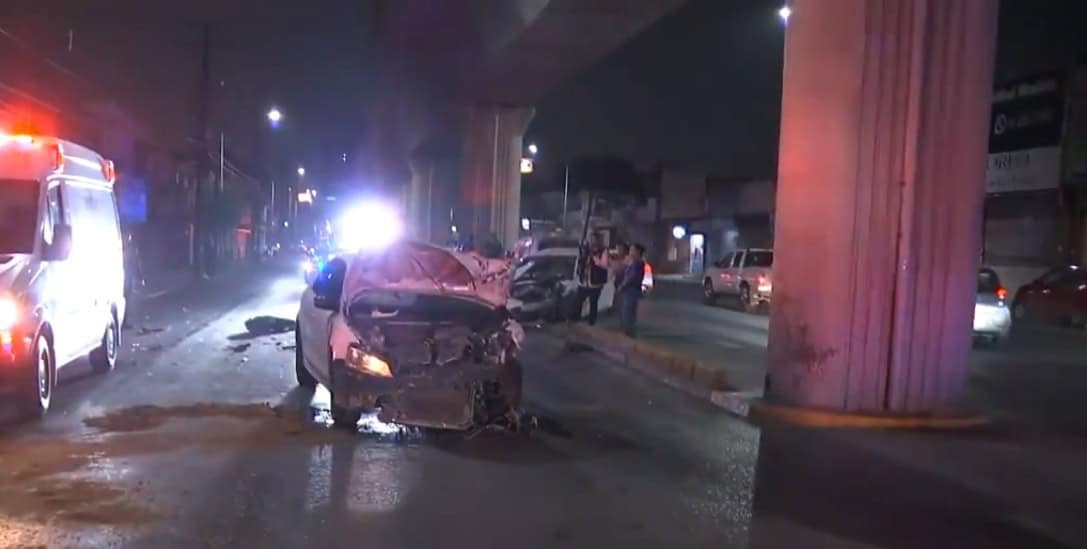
column 881, row 174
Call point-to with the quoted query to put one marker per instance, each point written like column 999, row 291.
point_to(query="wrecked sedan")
column 415, row 334
column 544, row 288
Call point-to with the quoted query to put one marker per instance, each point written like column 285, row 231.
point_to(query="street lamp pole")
column 565, row 192
column 222, row 150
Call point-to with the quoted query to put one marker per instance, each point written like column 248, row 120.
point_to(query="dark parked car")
column 1057, row 297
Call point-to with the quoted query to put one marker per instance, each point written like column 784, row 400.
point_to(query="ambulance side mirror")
column 61, row 246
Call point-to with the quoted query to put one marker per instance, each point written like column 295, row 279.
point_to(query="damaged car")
column 544, row 288
column 416, row 335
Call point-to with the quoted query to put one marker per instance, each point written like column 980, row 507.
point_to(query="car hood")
column 419, row 268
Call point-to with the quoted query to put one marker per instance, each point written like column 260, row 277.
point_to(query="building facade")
column 1036, row 179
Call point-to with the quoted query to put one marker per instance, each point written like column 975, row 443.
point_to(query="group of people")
column 628, row 266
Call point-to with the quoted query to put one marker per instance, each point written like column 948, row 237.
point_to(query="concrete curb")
column 761, row 410
column 677, row 370
column 710, row 383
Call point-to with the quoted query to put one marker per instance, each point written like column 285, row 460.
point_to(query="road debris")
column 267, row 325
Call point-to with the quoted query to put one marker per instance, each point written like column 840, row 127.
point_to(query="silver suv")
column 744, row 274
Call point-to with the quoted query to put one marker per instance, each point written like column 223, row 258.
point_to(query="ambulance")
column 61, row 266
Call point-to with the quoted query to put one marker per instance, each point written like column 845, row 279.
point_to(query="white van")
column 61, row 265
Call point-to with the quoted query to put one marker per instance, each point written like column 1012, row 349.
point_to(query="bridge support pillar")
column 880, row 187
column 491, row 172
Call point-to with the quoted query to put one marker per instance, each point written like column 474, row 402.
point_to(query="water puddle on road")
column 84, row 481
column 73, row 481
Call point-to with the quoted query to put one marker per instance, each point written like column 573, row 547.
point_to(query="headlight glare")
column 9, row 313
column 367, row 363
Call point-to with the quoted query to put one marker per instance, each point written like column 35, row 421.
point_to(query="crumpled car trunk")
column 438, row 319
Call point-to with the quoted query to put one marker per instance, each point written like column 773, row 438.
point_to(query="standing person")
column 629, row 290
column 594, row 274
column 133, row 277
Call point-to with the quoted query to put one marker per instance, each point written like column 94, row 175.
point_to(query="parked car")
column 743, row 274
column 416, row 334
column 61, row 265
column 992, row 319
column 1057, row 297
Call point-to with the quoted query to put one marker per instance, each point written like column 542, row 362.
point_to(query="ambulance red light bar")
column 19, row 139
column 109, row 171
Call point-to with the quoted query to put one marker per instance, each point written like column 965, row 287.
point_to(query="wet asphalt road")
column 176, row 449
column 1037, row 377
column 621, row 461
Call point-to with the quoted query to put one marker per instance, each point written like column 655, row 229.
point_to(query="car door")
column 63, row 290
column 1043, row 298
column 1066, row 295
column 316, row 322
column 713, row 273
column 732, row 273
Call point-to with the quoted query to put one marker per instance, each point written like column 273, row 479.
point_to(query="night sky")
column 699, row 89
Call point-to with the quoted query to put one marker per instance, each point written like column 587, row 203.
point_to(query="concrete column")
column 491, row 172
column 881, row 178
column 421, row 198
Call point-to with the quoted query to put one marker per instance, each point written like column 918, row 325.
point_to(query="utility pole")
column 203, row 168
column 565, row 194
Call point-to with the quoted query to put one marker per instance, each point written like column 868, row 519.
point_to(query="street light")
column 301, row 171
column 275, row 116
column 784, row 13
column 533, row 149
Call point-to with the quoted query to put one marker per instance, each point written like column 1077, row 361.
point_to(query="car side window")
column 724, row 262
column 329, row 281
column 1059, row 277
column 737, row 259
column 52, row 213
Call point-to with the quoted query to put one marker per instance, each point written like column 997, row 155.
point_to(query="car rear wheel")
column 305, row 379
column 745, row 298
column 709, row 297
column 36, row 392
column 104, row 358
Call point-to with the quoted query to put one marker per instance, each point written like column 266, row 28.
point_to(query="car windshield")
column 558, row 242
column 759, row 259
column 542, row 268
column 18, row 215
column 988, row 282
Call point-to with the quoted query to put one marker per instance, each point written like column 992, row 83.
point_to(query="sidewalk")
column 731, row 340
column 1036, row 379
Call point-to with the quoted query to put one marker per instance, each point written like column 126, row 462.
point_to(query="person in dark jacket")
column 629, row 290
column 594, row 274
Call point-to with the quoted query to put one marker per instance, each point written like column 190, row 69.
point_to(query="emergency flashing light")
column 108, row 170
column 20, row 139
column 371, row 226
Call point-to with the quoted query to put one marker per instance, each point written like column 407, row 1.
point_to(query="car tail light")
column 1001, row 292
column 763, row 283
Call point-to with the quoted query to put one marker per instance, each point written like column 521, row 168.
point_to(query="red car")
column 1057, row 297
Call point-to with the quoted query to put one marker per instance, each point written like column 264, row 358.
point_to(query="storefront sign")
column 1025, row 135
column 1026, row 170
